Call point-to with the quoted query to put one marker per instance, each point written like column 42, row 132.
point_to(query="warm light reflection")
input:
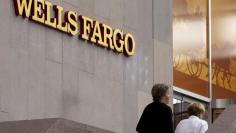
column 223, row 46
column 189, row 45
column 190, row 60
column 222, row 25
column 190, row 38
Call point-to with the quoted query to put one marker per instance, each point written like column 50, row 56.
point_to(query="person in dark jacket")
column 157, row 116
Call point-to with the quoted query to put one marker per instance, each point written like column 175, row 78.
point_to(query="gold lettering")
column 117, row 40
column 107, row 36
column 72, row 18
column 85, row 27
column 38, row 14
column 130, row 45
column 97, row 34
column 48, row 20
column 23, row 7
column 93, row 31
column 60, row 25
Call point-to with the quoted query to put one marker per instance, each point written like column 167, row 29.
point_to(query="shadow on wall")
column 225, row 123
column 53, row 125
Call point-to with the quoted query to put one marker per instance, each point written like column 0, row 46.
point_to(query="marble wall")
column 45, row 73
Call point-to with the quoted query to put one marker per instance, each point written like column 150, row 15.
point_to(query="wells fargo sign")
column 70, row 22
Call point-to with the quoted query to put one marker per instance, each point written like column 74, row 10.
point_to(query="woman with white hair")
column 194, row 124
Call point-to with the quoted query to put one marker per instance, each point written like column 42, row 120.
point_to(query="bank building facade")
column 89, row 65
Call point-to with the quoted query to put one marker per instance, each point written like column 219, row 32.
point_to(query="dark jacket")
column 156, row 118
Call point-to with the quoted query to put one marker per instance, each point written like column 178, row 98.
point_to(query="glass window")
column 190, row 62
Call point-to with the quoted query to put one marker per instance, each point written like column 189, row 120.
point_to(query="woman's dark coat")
column 156, row 118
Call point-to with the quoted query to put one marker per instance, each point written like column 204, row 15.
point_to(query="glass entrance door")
column 180, row 105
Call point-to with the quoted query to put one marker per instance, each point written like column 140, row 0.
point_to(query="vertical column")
column 163, row 41
column 209, row 59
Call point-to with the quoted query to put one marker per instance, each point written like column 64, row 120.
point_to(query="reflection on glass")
column 190, row 47
column 224, row 48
